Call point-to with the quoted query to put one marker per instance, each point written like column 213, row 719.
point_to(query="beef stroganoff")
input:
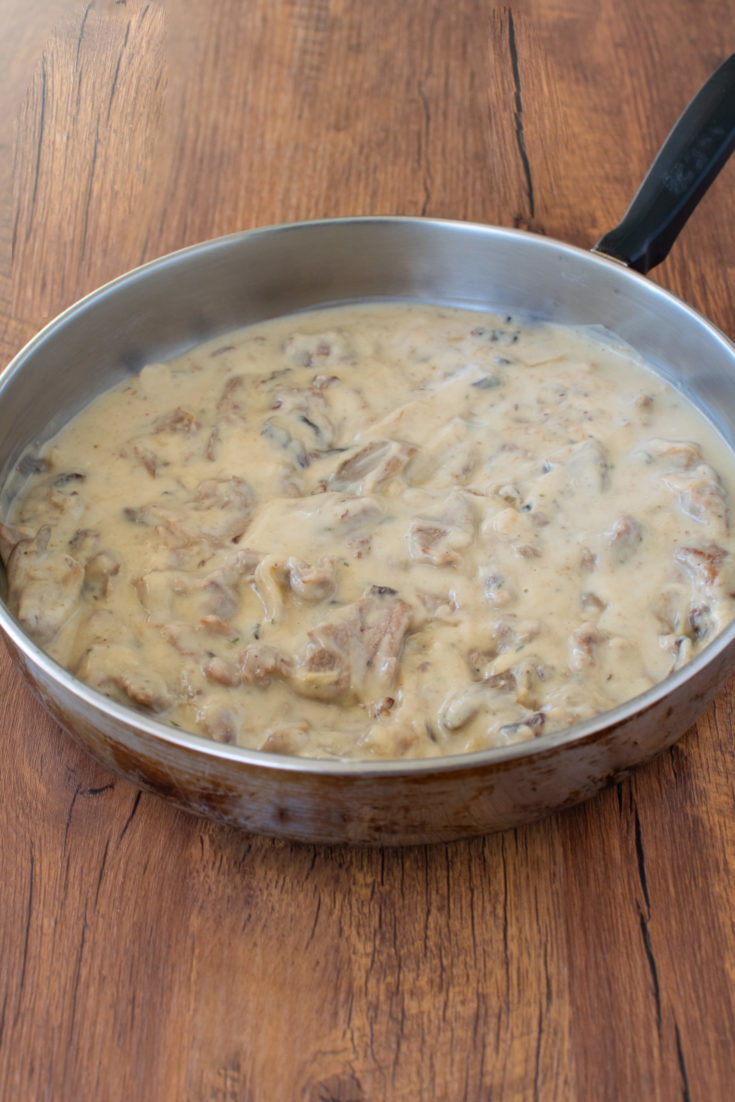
column 382, row 531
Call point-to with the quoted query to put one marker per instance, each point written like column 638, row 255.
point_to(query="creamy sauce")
column 385, row 531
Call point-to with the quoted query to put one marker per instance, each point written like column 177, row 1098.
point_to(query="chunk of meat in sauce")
column 499, row 590
column 60, row 491
column 157, row 589
column 440, row 606
column 491, row 702
column 312, row 583
column 511, row 633
column 440, row 538
column 223, row 507
column 530, row 675
column 701, row 623
column 178, row 420
column 625, row 537
column 682, row 650
column 300, row 424
column 10, row 537
column 352, row 519
column 429, row 541
column 583, row 642
column 230, row 401
column 219, row 511
column 103, row 626
column 525, row 729
column 148, row 459
column 480, row 662
column 523, row 679
column 221, row 587
column 112, row 666
column 146, row 688
column 450, row 458
column 43, row 584
column 99, row 572
column 317, row 349
column 592, row 604
column 587, row 560
column 701, row 495
column 260, row 663
column 286, row 740
column 371, row 466
column 267, row 582
column 703, row 564
column 355, row 655
column 222, row 672
column 276, row 581
column 588, row 468
column 515, row 527
column 213, row 598
column 671, row 607
column 682, row 453
column 220, row 719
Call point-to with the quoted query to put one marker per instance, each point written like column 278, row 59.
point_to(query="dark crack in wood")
column 80, row 37
column 77, row 974
column 641, row 862
column 652, row 967
column 116, row 75
column 39, row 147
column 424, row 152
column 518, row 115
column 88, row 199
column 27, row 930
column 101, row 872
column 685, row 1092
column 70, row 812
column 98, row 791
column 130, row 817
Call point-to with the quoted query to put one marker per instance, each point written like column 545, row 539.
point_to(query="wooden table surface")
column 147, row 954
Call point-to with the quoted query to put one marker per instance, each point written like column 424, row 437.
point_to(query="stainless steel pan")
column 162, row 308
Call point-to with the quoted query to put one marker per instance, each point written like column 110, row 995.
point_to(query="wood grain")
column 150, row 955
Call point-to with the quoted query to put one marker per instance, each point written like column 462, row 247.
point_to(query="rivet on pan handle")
column 690, row 158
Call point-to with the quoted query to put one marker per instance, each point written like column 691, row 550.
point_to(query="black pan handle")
column 690, row 158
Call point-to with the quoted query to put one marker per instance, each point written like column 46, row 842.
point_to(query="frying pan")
column 159, row 310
